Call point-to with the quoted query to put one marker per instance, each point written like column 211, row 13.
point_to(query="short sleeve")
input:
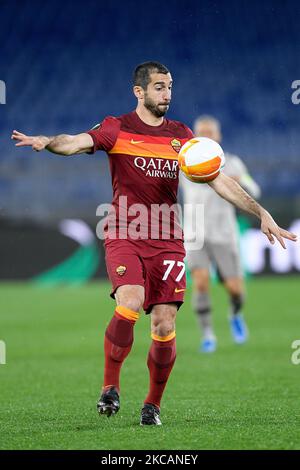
column 189, row 132
column 105, row 134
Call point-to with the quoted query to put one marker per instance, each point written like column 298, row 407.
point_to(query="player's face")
column 157, row 97
column 207, row 129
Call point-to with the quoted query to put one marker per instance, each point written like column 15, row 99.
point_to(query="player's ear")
column 138, row 92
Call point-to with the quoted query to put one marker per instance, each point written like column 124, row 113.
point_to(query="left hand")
column 271, row 230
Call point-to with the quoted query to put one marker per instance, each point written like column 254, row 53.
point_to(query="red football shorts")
column 157, row 265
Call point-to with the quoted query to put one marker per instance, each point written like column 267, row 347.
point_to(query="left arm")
column 249, row 185
column 230, row 190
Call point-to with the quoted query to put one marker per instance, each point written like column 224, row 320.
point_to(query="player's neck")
column 147, row 117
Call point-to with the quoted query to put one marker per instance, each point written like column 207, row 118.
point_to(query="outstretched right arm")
column 60, row 144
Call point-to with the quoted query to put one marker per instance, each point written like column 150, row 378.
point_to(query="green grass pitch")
column 241, row 397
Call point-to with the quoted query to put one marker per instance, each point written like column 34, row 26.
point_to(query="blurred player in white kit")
column 221, row 243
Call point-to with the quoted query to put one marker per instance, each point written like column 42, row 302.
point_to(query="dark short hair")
column 141, row 74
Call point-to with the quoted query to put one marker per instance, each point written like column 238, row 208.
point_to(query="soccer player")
column 145, row 265
column 221, row 244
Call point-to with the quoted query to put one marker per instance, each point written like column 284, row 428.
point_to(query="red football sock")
column 161, row 358
column 117, row 344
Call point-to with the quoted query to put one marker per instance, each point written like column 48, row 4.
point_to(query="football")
column 201, row 159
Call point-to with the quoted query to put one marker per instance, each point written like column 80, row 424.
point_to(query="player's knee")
column 163, row 319
column 133, row 303
column 131, row 297
column 164, row 328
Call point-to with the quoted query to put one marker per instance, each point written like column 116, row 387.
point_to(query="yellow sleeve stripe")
column 163, row 338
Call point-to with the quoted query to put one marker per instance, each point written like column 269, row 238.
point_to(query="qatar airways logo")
column 157, row 167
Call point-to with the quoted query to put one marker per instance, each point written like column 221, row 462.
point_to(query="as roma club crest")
column 121, row 270
column 176, row 144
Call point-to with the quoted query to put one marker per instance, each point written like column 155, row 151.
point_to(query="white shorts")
column 225, row 257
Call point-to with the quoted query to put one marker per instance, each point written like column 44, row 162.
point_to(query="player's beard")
column 158, row 110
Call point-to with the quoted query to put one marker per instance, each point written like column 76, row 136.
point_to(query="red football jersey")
column 144, row 169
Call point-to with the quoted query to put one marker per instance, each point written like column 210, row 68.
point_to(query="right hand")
column 37, row 143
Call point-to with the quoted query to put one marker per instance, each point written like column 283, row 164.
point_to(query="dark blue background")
column 69, row 64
